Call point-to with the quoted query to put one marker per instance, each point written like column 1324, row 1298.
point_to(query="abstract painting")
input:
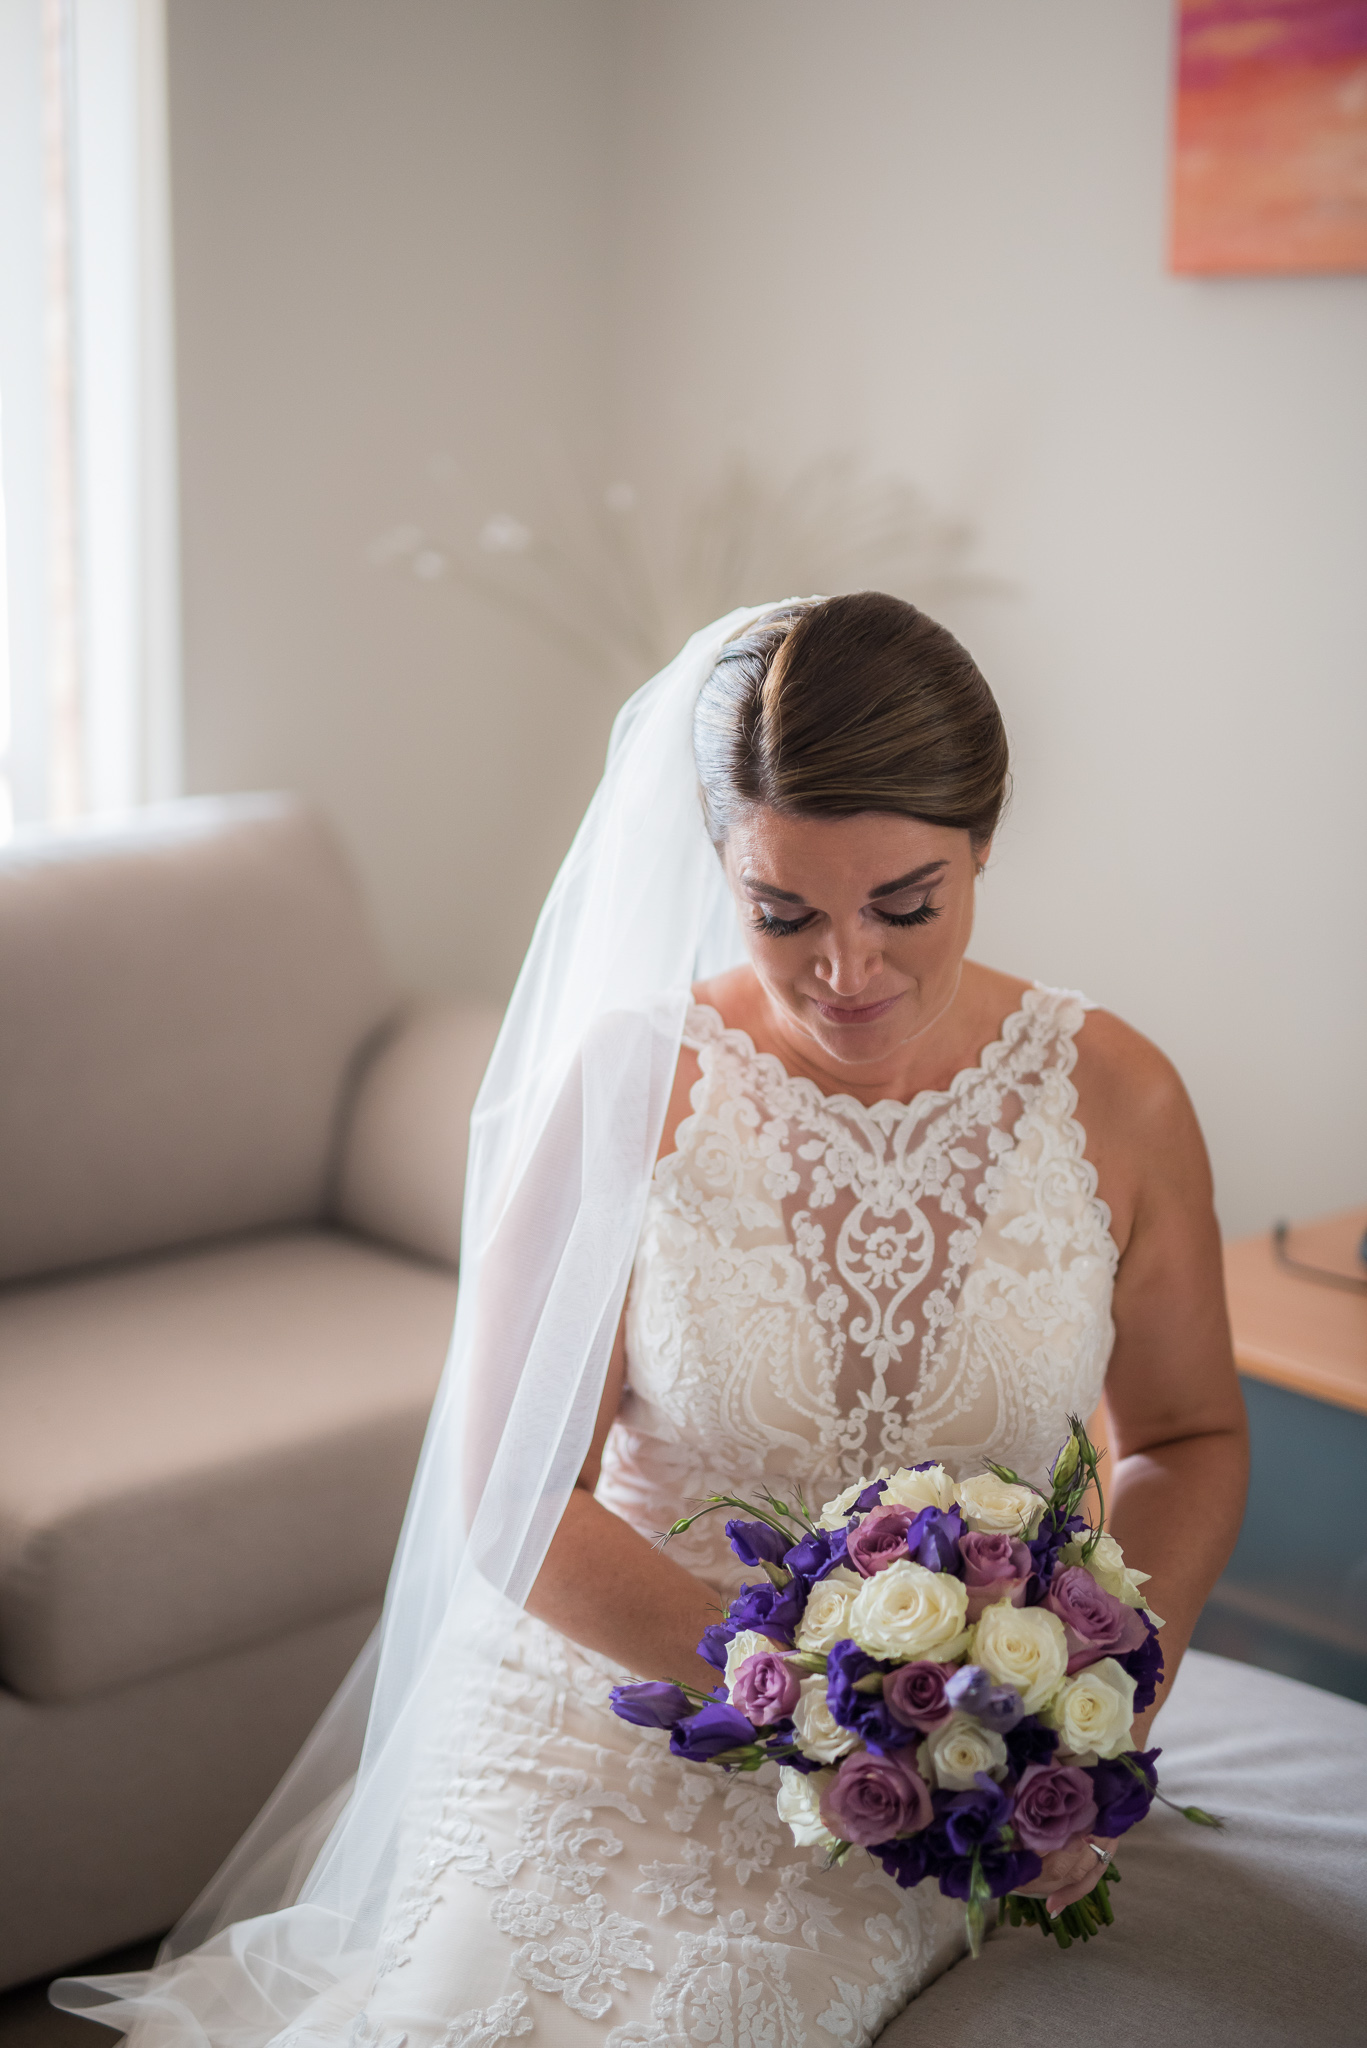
column 1270, row 137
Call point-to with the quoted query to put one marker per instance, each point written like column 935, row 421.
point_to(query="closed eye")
column 780, row 927
column 921, row 915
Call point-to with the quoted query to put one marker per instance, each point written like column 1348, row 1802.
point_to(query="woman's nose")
column 848, row 966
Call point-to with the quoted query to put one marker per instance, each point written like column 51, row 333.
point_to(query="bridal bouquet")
column 946, row 1673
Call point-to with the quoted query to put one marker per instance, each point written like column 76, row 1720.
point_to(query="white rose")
column 1024, row 1647
column 1093, row 1711
column 908, row 1612
column 996, row 1507
column 838, row 1511
column 1108, row 1567
column 799, row 1806
column 747, row 1644
column 826, row 1620
column 930, row 1489
column 953, row 1753
column 819, row 1734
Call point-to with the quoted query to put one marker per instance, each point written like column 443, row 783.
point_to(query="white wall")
column 930, row 230
column 389, row 224
column 935, row 232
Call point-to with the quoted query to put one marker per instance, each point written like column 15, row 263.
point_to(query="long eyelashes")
column 922, row 916
column 784, row 928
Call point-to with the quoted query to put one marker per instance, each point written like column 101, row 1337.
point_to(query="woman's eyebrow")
column 921, row 874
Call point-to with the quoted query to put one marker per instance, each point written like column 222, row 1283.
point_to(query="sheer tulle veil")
column 563, row 1145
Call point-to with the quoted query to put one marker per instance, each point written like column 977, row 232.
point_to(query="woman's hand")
column 1069, row 1873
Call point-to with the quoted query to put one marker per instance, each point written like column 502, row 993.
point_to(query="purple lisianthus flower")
column 915, row 1694
column 765, row 1688
column 875, row 1798
column 818, row 1553
column 770, row 1610
column 715, row 1641
column 969, row 1821
column 1005, row 1870
column 1053, row 1803
column 880, row 1539
column 1122, row 1799
column 1029, row 1742
column 995, row 1567
column 934, row 1539
column 755, row 1542
column 906, row 1861
column 970, row 1690
column 871, row 1496
column 710, row 1733
column 1145, row 1666
column 1094, row 1621
column 654, row 1704
column 867, row 1713
column 965, row 1821
column 1044, row 1547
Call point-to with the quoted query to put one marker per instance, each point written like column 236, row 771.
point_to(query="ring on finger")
column 1097, row 1850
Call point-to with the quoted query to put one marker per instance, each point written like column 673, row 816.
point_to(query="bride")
column 853, row 1201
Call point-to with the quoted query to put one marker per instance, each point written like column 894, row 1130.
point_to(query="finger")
column 1070, row 1895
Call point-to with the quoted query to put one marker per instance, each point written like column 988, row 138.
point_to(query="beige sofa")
column 231, row 1163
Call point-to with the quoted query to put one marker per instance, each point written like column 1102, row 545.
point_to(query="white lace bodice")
column 819, row 1289
column 822, row 1289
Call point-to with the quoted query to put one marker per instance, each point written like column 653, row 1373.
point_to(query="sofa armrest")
column 401, row 1176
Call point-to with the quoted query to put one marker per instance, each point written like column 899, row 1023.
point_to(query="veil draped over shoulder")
column 563, row 1144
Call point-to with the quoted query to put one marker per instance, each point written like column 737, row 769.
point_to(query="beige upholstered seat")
column 1255, row 1937
column 231, row 1166
column 201, row 1451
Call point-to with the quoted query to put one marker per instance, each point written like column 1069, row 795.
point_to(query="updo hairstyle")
column 836, row 705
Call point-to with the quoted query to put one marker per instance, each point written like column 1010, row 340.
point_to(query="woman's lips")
column 866, row 1013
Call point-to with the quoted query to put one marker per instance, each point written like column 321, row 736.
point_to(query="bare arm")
column 1178, row 1470
column 602, row 1584
column 605, row 1586
column 1179, row 1435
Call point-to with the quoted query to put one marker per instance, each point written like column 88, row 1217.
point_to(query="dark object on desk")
column 1324, row 1276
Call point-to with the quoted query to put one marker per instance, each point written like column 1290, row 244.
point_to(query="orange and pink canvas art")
column 1270, row 143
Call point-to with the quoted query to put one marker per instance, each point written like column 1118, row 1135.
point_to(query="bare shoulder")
column 1127, row 1077
column 1142, row 1132
column 735, row 996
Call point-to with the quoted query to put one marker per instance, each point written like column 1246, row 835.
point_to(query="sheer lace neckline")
column 889, row 1109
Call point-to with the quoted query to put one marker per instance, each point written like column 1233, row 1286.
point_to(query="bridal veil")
column 563, row 1145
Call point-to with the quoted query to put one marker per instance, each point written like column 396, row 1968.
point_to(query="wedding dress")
column 820, row 1289
column 471, row 1847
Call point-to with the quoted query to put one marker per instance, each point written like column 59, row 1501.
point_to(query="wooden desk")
column 1292, row 1331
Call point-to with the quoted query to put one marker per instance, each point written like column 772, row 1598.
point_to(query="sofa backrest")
column 182, row 995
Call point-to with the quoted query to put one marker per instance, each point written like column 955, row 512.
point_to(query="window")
column 89, row 669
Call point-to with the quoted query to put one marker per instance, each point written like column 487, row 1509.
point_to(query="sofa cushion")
column 202, row 1451
column 183, row 992
column 402, row 1171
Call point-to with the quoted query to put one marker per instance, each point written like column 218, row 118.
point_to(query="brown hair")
column 843, row 704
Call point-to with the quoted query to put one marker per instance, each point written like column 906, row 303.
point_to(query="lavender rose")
column 915, row 1694
column 875, row 1798
column 1054, row 1802
column 765, row 1688
column 995, row 1567
column 1096, row 1623
column 655, row 1704
column 880, row 1539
